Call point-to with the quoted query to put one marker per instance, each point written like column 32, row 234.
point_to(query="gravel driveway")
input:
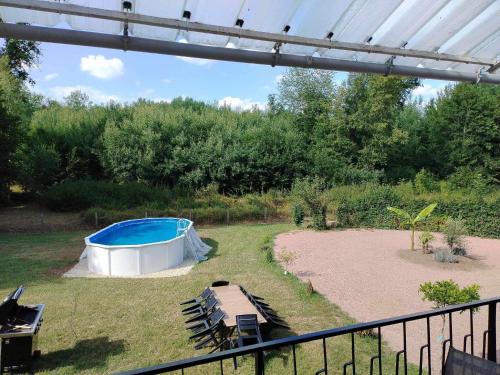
column 372, row 274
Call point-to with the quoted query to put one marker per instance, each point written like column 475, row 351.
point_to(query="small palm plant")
column 412, row 221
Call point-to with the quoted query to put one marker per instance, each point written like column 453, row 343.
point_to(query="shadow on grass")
column 273, row 333
column 214, row 245
column 85, row 355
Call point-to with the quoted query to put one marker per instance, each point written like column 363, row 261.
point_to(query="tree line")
column 367, row 128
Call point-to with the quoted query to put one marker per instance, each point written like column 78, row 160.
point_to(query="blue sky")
column 126, row 76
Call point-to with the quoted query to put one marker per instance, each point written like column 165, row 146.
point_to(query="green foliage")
column 425, row 182
column 425, row 239
column 298, row 214
column 475, row 181
column 365, row 206
column 14, row 109
column 447, row 292
column 82, row 194
column 462, row 128
column 445, row 256
column 311, row 194
column 65, row 139
column 21, row 56
column 454, row 232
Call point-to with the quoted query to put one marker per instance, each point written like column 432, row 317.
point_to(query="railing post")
column 259, row 362
column 492, row 331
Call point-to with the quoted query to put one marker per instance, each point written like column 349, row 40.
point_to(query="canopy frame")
column 484, row 73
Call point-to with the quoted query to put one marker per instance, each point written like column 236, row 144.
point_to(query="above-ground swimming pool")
column 137, row 247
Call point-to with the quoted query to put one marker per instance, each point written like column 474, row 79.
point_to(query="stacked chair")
column 248, row 330
column 205, row 321
column 248, row 333
column 267, row 312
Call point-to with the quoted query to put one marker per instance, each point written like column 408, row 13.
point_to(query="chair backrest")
column 246, row 322
column 211, row 303
column 462, row 363
column 220, row 283
column 206, row 293
column 217, row 316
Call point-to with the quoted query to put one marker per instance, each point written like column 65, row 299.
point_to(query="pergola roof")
column 442, row 39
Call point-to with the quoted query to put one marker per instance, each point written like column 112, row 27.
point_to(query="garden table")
column 232, row 302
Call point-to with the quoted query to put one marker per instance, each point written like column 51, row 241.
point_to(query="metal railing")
column 489, row 350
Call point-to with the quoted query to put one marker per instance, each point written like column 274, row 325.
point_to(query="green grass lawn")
column 96, row 326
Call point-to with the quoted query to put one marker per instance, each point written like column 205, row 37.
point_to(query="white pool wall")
column 133, row 260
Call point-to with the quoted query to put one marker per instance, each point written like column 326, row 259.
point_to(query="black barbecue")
column 19, row 326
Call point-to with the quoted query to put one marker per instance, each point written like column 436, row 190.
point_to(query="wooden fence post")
column 227, row 216
column 96, row 219
column 42, row 222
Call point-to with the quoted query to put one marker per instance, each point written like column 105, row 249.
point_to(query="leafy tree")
column 369, row 105
column 77, row 99
column 21, row 56
column 306, row 93
column 11, row 131
column 412, row 221
column 464, row 129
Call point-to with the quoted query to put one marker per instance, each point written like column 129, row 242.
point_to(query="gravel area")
column 372, row 274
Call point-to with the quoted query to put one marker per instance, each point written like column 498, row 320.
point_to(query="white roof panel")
column 430, row 30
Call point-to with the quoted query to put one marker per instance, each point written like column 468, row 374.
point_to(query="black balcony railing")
column 489, row 349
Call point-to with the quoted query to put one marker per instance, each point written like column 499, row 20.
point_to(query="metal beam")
column 494, row 68
column 77, row 10
column 54, row 35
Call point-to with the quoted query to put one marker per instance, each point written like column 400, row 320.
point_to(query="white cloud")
column 50, row 77
column 101, row 67
column 278, row 78
column 239, row 104
column 95, row 95
column 196, row 61
column 428, row 90
column 166, row 80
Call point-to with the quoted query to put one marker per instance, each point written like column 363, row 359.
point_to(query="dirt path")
column 371, row 275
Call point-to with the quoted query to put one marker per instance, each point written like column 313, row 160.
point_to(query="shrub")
column 473, row 180
column 311, row 194
column 425, row 182
column 454, row 234
column 447, row 292
column 444, row 256
column 298, row 214
column 287, row 257
column 425, row 238
column 319, row 219
column 83, row 194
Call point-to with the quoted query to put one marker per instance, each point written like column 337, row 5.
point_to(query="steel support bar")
column 238, row 32
column 492, row 332
column 54, row 35
column 494, row 68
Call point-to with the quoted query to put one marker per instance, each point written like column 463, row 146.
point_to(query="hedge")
column 369, row 209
